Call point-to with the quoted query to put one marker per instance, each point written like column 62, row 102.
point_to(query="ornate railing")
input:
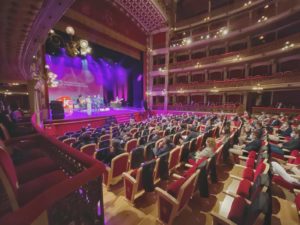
column 274, row 45
column 272, row 110
column 278, row 78
column 241, row 23
column 77, row 200
column 228, row 108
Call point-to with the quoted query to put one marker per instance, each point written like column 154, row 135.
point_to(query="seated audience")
column 293, row 144
column 114, row 151
column 208, row 151
column 254, row 145
column 165, row 146
column 281, row 170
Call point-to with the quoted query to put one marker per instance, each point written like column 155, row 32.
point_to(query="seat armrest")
column 188, row 165
column 240, row 166
column 127, row 176
column 177, row 176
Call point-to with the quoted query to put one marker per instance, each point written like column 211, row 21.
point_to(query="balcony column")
column 205, row 99
column 247, row 70
column 272, row 98
column 189, row 78
column 209, row 7
column 206, row 75
column 248, row 42
column 167, row 57
column 150, row 68
column 274, row 66
column 223, row 98
column 245, row 96
column 226, row 46
column 225, row 73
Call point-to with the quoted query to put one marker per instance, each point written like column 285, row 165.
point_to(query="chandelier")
column 73, row 45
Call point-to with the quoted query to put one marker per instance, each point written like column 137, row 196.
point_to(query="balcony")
column 231, row 56
column 286, row 79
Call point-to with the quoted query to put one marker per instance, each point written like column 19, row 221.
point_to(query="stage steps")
column 123, row 118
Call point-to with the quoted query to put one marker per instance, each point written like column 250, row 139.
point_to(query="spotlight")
column 70, row 30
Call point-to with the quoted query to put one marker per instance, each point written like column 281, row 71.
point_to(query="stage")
column 77, row 119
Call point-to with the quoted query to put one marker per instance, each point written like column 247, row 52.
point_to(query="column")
column 272, row 97
column 225, row 73
column 247, row 68
column 206, row 75
column 189, row 78
column 150, row 68
column 274, row 66
column 245, row 96
column 167, row 56
column 205, row 99
column 223, row 98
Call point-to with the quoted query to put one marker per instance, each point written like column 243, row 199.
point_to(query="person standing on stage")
column 89, row 105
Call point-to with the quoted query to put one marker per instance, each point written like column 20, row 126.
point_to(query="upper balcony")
column 231, row 27
column 258, row 53
column 278, row 80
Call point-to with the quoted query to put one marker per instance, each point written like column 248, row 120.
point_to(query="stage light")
column 70, row 30
column 84, row 43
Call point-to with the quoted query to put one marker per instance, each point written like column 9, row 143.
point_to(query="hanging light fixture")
column 73, row 46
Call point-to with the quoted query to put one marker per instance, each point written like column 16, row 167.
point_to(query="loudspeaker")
column 57, row 110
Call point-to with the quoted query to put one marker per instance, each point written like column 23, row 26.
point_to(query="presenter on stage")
column 89, row 105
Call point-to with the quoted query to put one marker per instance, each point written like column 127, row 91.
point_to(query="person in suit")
column 192, row 134
column 114, row 151
column 293, row 144
column 165, row 146
column 83, row 140
column 254, row 145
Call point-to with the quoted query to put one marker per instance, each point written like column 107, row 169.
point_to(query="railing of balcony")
column 229, row 56
column 286, row 77
column 76, row 200
column 240, row 23
column 228, row 108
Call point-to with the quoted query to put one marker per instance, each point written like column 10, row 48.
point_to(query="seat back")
column 104, row 137
column 119, row 164
column 174, row 158
column 158, row 142
column 9, row 178
column 192, row 145
column 199, row 142
column 148, row 151
column 187, row 189
column 89, row 149
column 142, row 140
column 5, row 132
column 262, row 168
column 136, row 157
column 176, row 138
column 69, row 141
column 185, row 152
column 130, row 145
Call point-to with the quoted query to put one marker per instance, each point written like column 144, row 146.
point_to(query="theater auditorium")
column 149, row 112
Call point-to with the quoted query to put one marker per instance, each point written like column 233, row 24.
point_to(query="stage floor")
column 79, row 115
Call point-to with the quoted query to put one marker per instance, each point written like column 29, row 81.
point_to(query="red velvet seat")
column 244, row 188
column 35, row 168
column 237, row 211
